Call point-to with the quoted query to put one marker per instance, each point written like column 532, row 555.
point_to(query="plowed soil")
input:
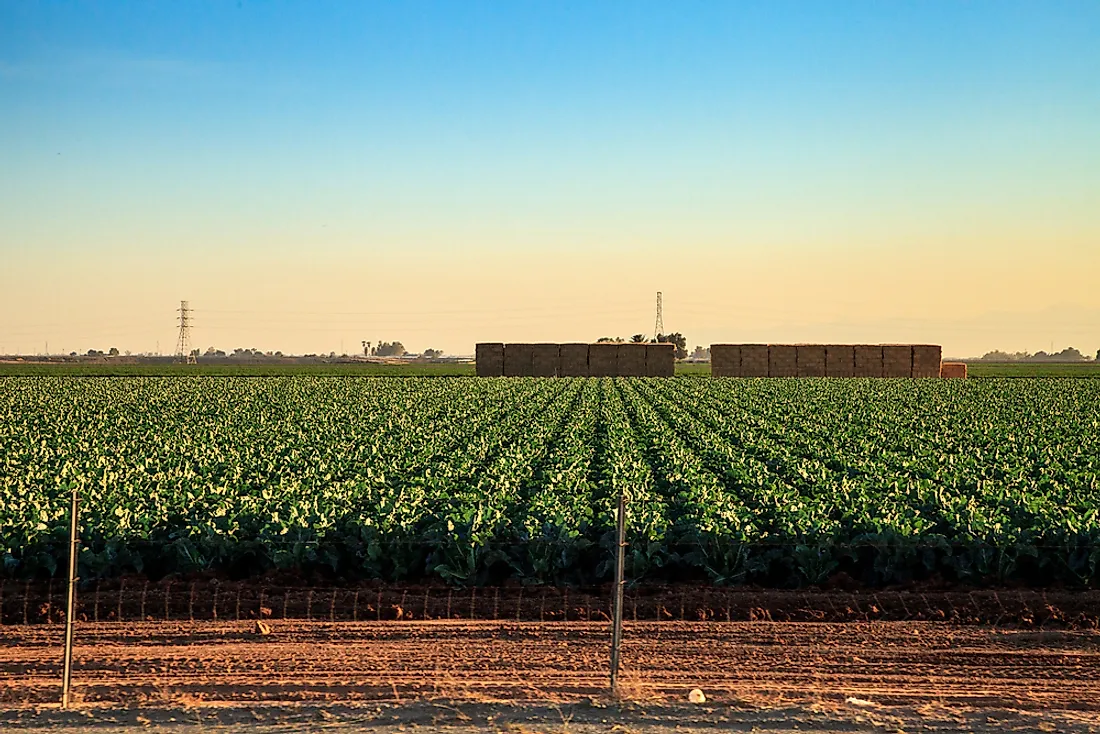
column 885, row 663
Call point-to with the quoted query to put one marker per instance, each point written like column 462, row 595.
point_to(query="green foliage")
column 1034, row 369
column 478, row 481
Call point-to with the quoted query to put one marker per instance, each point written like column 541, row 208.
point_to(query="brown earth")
column 884, row 665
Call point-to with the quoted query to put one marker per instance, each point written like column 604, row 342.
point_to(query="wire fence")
column 130, row 600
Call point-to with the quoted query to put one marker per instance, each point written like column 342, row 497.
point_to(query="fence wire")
column 212, row 600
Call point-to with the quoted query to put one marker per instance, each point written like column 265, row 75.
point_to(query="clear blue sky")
column 446, row 172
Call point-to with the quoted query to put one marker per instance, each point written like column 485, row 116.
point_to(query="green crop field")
column 423, row 369
column 1033, row 369
column 781, row 483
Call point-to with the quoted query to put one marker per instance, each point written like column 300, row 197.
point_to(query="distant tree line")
column 1069, row 354
column 383, row 349
column 677, row 339
column 388, row 349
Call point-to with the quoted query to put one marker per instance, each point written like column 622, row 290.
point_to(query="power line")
column 548, row 310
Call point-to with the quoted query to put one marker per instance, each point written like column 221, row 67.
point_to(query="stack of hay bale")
column 725, row 360
column 611, row 359
column 826, row 360
column 544, row 360
column 926, row 360
column 573, row 360
column 868, row 360
column 782, row 360
column 754, row 360
column 954, row 370
column 660, row 360
column 811, row 360
column 631, row 359
column 840, row 360
column 603, row 359
column 897, row 360
column 518, row 359
column 490, row 360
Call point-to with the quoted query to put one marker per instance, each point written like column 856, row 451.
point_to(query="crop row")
column 772, row 482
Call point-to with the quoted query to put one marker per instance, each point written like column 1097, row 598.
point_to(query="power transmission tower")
column 183, row 346
column 659, row 327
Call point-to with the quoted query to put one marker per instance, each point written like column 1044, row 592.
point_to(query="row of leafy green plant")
column 781, row 483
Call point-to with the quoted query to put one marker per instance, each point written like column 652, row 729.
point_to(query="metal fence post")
column 66, row 682
column 617, row 598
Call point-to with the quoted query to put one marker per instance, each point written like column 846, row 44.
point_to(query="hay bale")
column 926, row 360
column 518, row 359
column 573, row 360
column 489, row 359
column 544, row 360
column 810, row 360
column 897, row 360
column 953, row 370
column 603, row 359
column 631, row 360
column 840, row 360
column 754, row 360
column 725, row 360
column 868, row 360
column 782, row 360
column 660, row 360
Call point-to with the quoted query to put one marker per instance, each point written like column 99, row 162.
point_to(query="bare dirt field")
column 552, row 676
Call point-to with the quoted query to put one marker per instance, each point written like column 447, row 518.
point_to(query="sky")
column 309, row 175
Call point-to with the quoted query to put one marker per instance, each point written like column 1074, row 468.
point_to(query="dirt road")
column 882, row 665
